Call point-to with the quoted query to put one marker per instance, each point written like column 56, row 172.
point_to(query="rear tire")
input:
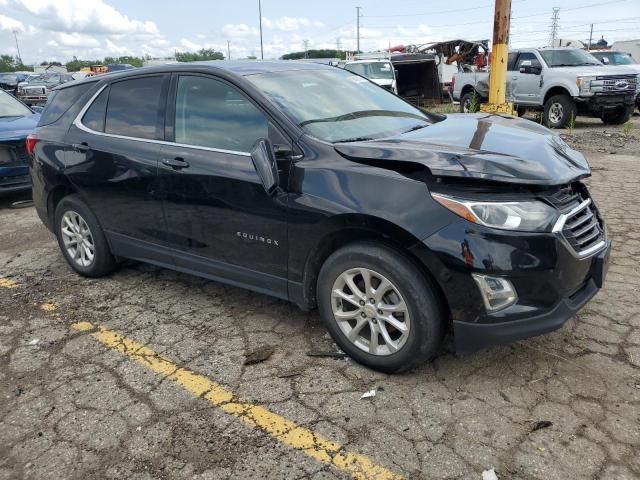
column 558, row 110
column 618, row 117
column 470, row 103
column 408, row 301
column 81, row 238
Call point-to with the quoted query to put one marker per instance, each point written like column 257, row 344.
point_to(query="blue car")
column 16, row 122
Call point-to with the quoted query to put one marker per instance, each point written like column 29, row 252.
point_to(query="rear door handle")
column 176, row 163
column 81, row 147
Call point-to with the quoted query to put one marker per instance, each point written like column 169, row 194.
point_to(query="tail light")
column 31, row 143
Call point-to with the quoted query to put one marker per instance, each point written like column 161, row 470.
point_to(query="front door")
column 113, row 162
column 220, row 221
column 525, row 86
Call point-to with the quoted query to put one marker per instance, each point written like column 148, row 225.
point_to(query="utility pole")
column 499, row 55
column 338, row 44
column 260, row 14
column 306, row 47
column 228, row 51
column 554, row 26
column 590, row 36
column 15, row 35
column 358, row 29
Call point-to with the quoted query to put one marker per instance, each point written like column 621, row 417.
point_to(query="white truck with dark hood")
column 560, row 82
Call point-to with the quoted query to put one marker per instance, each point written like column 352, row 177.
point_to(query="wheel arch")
column 556, row 90
column 55, row 195
column 353, row 228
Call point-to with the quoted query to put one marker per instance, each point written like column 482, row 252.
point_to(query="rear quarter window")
column 60, row 101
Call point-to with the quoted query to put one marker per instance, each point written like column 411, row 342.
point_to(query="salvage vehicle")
column 314, row 185
column 16, row 122
column 560, row 82
column 36, row 90
column 380, row 71
column 9, row 81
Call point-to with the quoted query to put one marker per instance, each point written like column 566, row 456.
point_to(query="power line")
column 440, row 12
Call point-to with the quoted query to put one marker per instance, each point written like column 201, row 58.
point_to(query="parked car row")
column 559, row 82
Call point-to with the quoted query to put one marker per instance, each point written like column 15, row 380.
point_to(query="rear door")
column 113, row 162
column 220, row 221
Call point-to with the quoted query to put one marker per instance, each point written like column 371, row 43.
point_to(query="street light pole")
column 228, row 51
column 358, row 29
column 260, row 14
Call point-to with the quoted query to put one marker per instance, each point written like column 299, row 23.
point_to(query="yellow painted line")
column 282, row 429
column 48, row 307
column 7, row 283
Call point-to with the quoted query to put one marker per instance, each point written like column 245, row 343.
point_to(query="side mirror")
column 264, row 161
column 605, row 60
column 37, row 109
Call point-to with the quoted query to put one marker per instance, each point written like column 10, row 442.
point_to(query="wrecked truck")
column 316, row 186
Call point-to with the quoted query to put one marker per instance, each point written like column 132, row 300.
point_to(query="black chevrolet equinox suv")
column 314, row 185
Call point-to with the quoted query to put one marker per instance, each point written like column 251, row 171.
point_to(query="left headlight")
column 527, row 216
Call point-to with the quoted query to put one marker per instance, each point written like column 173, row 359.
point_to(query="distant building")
column 151, row 62
column 628, row 46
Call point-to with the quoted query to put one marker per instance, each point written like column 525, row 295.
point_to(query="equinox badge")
column 258, row 238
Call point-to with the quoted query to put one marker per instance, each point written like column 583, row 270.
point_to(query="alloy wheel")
column 370, row 311
column 556, row 112
column 77, row 239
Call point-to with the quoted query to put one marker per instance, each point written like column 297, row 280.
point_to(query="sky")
column 57, row 30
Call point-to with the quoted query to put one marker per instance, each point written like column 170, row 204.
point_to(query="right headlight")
column 527, row 216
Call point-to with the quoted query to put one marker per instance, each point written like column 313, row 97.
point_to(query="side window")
column 94, row 117
column 511, row 62
column 134, row 108
column 527, row 56
column 212, row 113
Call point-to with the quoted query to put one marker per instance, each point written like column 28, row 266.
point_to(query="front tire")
column 558, row 111
column 617, row 117
column 379, row 307
column 81, row 238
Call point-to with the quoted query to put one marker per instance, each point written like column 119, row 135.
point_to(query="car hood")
column 594, row 70
column 17, row 128
column 478, row 146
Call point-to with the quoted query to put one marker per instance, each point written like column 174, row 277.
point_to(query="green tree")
column 322, row 53
column 12, row 64
column 202, row 54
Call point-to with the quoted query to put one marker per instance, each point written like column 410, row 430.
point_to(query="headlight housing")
column 525, row 216
column 584, row 85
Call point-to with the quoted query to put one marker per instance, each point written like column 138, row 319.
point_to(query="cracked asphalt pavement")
column 75, row 404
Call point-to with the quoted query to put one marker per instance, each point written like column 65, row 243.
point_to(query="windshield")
column 337, row 106
column 373, row 70
column 568, row 57
column 10, row 107
column 615, row 58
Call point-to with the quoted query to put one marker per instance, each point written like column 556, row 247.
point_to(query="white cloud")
column 8, row 23
column 75, row 40
column 290, row 24
column 189, row 45
column 85, row 16
column 239, row 30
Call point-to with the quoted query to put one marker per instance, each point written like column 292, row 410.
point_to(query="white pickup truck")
column 562, row 82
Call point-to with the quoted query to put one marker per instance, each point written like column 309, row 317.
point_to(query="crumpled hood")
column 482, row 146
column 17, row 128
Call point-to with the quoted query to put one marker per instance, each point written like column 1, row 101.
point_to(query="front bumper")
column 14, row 183
column 601, row 102
column 552, row 282
column 33, row 100
column 471, row 337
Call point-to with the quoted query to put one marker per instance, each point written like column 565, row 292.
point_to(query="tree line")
column 321, row 53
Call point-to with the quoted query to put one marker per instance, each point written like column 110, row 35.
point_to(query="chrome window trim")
column 559, row 225
column 78, row 123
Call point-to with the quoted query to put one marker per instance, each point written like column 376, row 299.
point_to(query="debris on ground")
column 18, row 391
column 33, row 342
column 539, row 425
column 489, row 475
column 337, row 354
column 258, row 355
column 369, row 394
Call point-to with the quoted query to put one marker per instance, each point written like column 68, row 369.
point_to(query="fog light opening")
column 497, row 293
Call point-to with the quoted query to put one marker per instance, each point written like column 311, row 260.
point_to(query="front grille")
column 33, row 90
column 622, row 84
column 582, row 228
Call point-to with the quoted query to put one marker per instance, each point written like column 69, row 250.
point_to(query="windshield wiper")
column 361, row 114
column 355, row 139
column 416, row 127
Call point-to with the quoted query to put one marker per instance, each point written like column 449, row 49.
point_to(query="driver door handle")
column 81, row 147
column 176, row 163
